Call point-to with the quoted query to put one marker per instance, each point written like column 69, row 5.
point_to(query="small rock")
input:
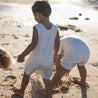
column 15, row 37
column 72, row 27
column 21, row 67
column 80, row 14
column 74, row 18
column 14, row 56
column 0, row 17
column 7, row 43
column 9, row 69
column 2, row 44
column 87, row 18
column 63, row 27
column 27, row 35
column 72, row 94
column 3, row 36
column 6, row 22
column 1, row 95
column 19, row 26
column 78, row 30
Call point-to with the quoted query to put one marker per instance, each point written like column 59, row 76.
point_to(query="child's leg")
column 24, row 83
column 60, row 72
column 83, row 73
column 48, row 86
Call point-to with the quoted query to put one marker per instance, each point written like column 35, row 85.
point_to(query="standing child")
column 72, row 51
column 45, row 40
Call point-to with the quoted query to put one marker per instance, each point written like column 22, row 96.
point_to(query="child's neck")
column 46, row 23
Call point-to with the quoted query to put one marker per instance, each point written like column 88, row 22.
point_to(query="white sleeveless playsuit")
column 41, row 58
column 74, row 51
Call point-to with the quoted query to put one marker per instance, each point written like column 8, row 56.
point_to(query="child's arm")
column 30, row 47
column 56, row 45
column 57, row 61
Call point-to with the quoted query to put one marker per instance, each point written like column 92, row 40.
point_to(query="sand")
column 74, row 18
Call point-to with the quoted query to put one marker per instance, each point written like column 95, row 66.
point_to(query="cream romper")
column 41, row 58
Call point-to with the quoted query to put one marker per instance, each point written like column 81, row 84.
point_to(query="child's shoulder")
column 37, row 25
column 40, row 26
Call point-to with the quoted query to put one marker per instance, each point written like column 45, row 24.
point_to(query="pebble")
column 74, row 18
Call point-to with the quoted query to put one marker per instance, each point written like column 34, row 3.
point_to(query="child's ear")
column 37, row 14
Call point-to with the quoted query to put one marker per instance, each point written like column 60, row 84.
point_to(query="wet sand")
column 77, row 18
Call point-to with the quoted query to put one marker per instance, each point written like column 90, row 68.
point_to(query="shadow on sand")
column 16, row 96
column 83, row 91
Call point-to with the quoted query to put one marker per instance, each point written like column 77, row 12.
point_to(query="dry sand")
column 75, row 18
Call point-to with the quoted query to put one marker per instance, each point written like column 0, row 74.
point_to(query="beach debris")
column 15, row 37
column 3, row 36
column 71, row 27
column 95, row 64
column 7, row 43
column 87, row 18
column 62, row 27
column 6, row 22
column 73, row 18
column 19, row 26
column 0, row 17
column 77, row 30
column 9, row 81
column 2, row 44
column 74, row 28
column 27, row 35
column 10, row 69
column 80, row 14
column 21, row 67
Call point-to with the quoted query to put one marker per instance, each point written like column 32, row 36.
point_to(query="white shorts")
column 75, row 56
column 31, row 67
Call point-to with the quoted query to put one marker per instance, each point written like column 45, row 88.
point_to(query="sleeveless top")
column 43, row 53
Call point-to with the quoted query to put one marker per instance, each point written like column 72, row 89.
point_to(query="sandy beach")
column 74, row 18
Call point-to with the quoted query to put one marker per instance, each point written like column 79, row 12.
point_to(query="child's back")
column 42, row 56
column 44, row 50
column 73, row 50
column 72, row 41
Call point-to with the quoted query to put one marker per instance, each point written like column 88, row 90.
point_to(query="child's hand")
column 67, row 72
column 20, row 58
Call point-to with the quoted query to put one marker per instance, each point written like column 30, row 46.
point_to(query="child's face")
column 37, row 17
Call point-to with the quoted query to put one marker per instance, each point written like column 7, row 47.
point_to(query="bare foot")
column 43, row 92
column 81, row 83
column 18, row 92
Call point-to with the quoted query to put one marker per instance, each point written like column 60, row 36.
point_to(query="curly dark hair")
column 42, row 7
column 5, row 58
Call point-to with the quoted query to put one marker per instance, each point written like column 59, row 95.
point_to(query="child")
column 72, row 51
column 45, row 39
column 5, row 59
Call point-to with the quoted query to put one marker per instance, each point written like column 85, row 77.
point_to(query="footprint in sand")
column 9, row 80
column 95, row 64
